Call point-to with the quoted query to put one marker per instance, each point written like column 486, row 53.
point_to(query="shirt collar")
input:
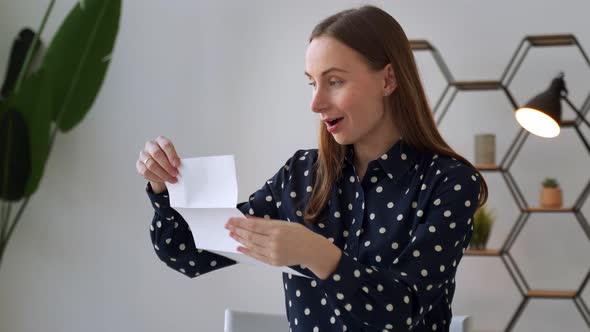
column 395, row 162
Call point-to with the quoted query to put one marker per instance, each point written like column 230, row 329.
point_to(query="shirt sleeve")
column 399, row 297
column 172, row 238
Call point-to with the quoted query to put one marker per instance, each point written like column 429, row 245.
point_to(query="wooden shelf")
column 478, row 85
column 552, row 40
column 488, row 167
column 484, row 252
column 554, row 294
column 420, row 45
column 539, row 209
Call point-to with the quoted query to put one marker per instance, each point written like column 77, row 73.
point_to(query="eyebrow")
column 327, row 71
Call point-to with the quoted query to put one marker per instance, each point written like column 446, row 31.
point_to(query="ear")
column 389, row 80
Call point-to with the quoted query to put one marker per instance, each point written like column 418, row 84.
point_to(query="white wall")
column 221, row 77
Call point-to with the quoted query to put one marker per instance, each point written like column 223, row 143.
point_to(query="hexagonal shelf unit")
column 440, row 110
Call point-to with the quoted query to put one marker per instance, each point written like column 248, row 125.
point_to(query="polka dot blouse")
column 402, row 229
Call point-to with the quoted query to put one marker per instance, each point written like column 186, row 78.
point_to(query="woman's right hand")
column 158, row 162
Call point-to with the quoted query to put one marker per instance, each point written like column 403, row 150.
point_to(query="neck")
column 364, row 152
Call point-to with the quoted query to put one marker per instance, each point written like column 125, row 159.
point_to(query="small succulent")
column 550, row 183
column 482, row 227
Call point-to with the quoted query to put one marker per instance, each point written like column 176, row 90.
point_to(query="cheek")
column 361, row 106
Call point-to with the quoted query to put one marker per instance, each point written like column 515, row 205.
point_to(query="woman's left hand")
column 275, row 242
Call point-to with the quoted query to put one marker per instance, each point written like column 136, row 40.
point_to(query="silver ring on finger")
column 146, row 161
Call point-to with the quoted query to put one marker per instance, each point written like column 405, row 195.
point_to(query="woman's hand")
column 158, row 163
column 281, row 243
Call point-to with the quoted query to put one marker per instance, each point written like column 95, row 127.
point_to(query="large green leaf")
column 78, row 56
column 33, row 100
column 15, row 163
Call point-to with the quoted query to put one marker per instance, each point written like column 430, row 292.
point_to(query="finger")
column 257, row 225
column 155, row 151
column 169, row 150
column 146, row 173
column 256, row 255
column 250, row 239
column 152, row 165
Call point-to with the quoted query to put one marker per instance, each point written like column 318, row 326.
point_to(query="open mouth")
column 335, row 121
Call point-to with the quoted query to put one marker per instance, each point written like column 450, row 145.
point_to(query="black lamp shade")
column 542, row 114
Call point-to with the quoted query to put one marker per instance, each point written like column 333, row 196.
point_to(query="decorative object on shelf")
column 507, row 158
column 483, row 221
column 551, row 197
column 37, row 104
column 485, row 150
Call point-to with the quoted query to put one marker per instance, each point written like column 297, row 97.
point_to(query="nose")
column 319, row 101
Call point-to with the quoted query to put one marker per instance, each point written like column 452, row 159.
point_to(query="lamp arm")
column 580, row 115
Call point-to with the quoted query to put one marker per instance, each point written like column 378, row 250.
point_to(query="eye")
column 335, row 82
column 311, row 83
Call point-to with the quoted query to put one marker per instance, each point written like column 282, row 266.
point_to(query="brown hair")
column 380, row 39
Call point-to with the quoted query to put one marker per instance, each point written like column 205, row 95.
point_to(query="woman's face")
column 346, row 88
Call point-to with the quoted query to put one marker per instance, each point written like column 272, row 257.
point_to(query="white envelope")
column 206, row 196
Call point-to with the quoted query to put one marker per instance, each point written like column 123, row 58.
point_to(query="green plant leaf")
column 78, row 56
column 15, row 162
column 33, row 100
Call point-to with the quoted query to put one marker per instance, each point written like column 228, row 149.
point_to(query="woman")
column 379, row 216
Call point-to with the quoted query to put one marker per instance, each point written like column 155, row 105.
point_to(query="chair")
column 243, row 321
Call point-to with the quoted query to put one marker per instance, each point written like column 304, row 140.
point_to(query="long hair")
column 380, row 39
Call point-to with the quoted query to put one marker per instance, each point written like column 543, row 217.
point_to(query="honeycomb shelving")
column 442, row 106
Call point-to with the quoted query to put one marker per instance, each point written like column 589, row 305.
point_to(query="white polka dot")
column 423, row 187
column 404, row 156
column 269, row 198
column 351, row 179
column 323, row 301
column 437, row 202
column 159, row 224
column 442, row 268
column 306, row 173
column 336, row 277
column 400, row 216
column 447, row 213
column 420, row 213
column 467, row 203
column 357, row 273
column 452, row 225
column 409, row 321
column 414, row 204
column 168, row 240
column 382, row 230
column 432, row 229
column 307, row 311
column 473, row 178
column 337, row 214
column 348, row 307
column 389, row 307
column 299, row 213
column 380, row 287
column 416, row 253
column 251, row 211
column 340, row 296
column 368, row 307
column 367, row 243
column 437, row 248
column 182, row 247
column 424, row 273
column 316, row 329
column 384, row 156
column 379, row 189
column 308, row 189
column 390, row 205
column 372, row 216
column 374, row 179
column 378, row 258
column 394, row 245
column 350, row 207
column 213, row 263
column 298, row 293
column 406, row 299
column 457, row 187
column 332, row 320
column 293, row 194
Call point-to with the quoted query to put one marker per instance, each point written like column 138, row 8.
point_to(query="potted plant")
column 37, row 104
column 551, row 197
column 483, row 220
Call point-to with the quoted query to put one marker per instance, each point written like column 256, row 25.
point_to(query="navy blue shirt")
column 402, row 229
